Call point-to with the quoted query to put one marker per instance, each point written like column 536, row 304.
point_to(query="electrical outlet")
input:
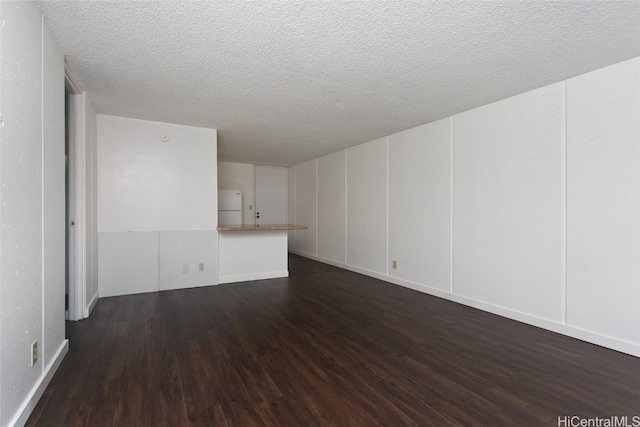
column 185, row 268
column 201, row 266
column 395, row 264
column 34, row 353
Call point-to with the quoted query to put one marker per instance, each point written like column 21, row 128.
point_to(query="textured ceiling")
column 285, row 82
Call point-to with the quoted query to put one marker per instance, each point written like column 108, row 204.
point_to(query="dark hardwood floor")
column 325, row 347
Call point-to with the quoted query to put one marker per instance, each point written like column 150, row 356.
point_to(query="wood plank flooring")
column 324, row 347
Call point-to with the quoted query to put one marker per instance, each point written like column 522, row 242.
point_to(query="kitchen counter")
column 253, row 252
column 263, row 227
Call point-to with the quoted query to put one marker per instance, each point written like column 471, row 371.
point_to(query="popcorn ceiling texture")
column 285, row 82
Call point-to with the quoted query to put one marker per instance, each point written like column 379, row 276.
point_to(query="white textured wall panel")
column 420, row 204
column 367, row 206
column 128, row 262
column 545, row 206
column 508, row 219
column 332, row 219
column 193, row 247
column 145, row 183
column 53, row 181
column 21, row 196
column 306, row 207
column 291, row 206
column 603, row 201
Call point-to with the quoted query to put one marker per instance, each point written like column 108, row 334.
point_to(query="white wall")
column 291, row 207
column 31, row 209
column 177, row 249
column 367, row 206
column 508, row 194
column 239, row 176
column 53, row 181
column 528, row 207
column 332, row 207
column 420, row 204
column 151, row 261
column 147, row 185
column 603, row 201
column 305, row 207
column 128, row 262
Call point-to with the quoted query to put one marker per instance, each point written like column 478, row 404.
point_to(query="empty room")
column 336, row 213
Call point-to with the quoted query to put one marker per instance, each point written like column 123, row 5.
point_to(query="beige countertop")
column 263, row 227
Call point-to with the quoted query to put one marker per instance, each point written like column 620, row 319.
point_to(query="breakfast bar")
column 253, row 252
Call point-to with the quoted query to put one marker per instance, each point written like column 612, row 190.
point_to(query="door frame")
column 76, row 224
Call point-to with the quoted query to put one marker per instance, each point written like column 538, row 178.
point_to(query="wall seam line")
column 42, row 195
column 451, row 205
column 387, row 219
column 346, row 208
column 566, row 208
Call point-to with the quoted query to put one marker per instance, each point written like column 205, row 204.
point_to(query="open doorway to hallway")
column 70, row 252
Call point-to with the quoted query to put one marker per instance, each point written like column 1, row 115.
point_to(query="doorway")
column 70, row 252
column 73, row 246
column 271, row 195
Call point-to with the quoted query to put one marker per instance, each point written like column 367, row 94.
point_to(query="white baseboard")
column 561, row 328
column 256, row 276
column 92, row 304
column 22, row 416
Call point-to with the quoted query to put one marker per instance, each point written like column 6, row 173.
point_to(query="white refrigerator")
column 229, row 207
